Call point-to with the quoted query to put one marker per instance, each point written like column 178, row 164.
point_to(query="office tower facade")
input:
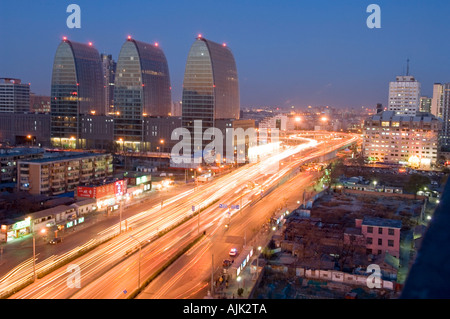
column 425, row 104
column 404, row 95
column 25, row 129
column 176, row 109
column 77, row 88
column 210, row 87
column 14, row 96
column 440, row 107
column 142, row 88
column 109, row 71
column 392, row 138
column 39, row 103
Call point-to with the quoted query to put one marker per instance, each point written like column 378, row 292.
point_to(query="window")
column 369, row 240
column 390, row 243
column 380, row 241
column 370, row 229
column 391, row 231
column 380, row 230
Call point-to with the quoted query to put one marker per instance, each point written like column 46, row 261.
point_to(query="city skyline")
column 240, row 150
column 288, row 54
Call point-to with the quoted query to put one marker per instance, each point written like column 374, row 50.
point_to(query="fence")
column 340, row 277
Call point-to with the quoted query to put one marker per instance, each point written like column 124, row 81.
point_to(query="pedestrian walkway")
column 226, row 287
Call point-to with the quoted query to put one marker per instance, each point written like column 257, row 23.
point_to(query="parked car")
column 55, row 241
column 226, row 263
column 233, row 252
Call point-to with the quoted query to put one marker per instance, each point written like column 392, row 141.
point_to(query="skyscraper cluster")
column 133, row 95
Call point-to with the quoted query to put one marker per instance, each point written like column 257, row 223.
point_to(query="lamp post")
column 31, row 139
column 161, row 141
column 139, row 267
column 121, row 203
column 43, row 231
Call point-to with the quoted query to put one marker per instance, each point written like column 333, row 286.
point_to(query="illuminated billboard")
column 117, row 188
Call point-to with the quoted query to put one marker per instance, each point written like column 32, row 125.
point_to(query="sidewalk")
column 228, row 288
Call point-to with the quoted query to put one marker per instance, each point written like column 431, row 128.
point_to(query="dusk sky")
column 287, row 52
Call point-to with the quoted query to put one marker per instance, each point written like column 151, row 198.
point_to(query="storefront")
column 16, row 229
column 106, row 195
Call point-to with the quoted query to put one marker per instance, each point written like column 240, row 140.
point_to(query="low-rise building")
column 382, row 235
column 47, row 218
column 9, row 158
column 85, row 206
column 58, row 175
column 107, row 195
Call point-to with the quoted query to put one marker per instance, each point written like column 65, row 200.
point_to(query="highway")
column 111, row 270
column 190, row 275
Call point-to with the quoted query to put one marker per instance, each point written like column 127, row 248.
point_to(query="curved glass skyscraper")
column 210, row 86
column 77, row 88
column 142, row 88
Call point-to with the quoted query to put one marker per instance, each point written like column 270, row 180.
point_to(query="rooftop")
column 17, row 151
column 382, row 222
column 84, row 202
column 63, row 158
column 50, row 211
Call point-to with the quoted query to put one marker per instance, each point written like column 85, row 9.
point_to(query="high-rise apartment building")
column 210, row 87
column 436, row 100
column 404, row 95
column 425, row 104
column 412, row 140
column 76, row 89
column 14, row 96
column 109, row 71
column 142, row 88
column 440, row 107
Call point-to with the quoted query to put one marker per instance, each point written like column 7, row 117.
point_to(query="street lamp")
column 30, row 138
column 161, row 141
column 34, row 246
column 139, row 269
